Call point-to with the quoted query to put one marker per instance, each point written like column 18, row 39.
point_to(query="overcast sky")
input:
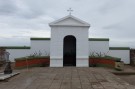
column 22, row 19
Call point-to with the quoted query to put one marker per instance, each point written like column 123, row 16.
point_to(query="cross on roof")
column 70, row 11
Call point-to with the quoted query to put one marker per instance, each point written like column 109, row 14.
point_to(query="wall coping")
column 40, row 38
column 98, row 39
column 16, row 47
column 119, row 48
column 31, row 58
column 90, row 39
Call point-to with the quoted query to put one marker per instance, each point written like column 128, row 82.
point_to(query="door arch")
column 69, row 51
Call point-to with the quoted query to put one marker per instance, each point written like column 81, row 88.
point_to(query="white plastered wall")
column 42, row 46
column 17, row 53
column 98, row 47
column 123, row 54
column 57, row 37
column 94, row 46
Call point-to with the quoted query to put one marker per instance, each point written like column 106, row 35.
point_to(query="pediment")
column 69, row 21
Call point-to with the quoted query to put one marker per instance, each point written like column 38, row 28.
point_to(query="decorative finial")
column 70, row 11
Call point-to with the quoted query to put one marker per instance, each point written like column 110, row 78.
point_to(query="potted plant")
column 119, row 65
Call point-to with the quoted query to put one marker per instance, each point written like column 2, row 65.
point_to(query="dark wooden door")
column 69, row 51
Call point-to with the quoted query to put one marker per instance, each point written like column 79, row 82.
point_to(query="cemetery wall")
column 95, row 45
column 121, row 52
column 16, row 52
column 98, row 45
column 40, row 45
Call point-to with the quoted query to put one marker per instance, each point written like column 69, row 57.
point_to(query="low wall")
column 45, row 61
column 101, row 62
column 98, row 45
column 31, row 62
column 17, row 51
column 121, row 52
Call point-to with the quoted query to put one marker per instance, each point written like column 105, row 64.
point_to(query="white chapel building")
column 70, row 45
column 69, row 42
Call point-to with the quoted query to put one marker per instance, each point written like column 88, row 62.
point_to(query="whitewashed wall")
column 42, row 46
column 65, row 26
column 99, row 46
column 94, row 46
column 123, row 54
column 17, row 53
column 81, row 35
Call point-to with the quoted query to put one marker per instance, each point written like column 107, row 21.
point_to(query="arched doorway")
column 69, row 51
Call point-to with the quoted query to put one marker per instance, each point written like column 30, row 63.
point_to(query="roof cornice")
column 83, row 23
column 119, row 48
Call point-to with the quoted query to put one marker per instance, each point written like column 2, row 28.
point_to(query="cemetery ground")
column 70, row 78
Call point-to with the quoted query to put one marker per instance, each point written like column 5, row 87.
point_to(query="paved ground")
column 65, row 78
column 130, row 76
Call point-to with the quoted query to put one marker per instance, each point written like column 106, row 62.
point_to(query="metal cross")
column 70, row 11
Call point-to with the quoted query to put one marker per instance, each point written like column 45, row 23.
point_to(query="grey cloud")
column 11, row 42
column 109, row 5
column 127, row 24
column 20, row 19
column 7, row 7
column 113, row 26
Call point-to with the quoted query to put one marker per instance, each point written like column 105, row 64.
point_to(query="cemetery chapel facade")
column 69, row 42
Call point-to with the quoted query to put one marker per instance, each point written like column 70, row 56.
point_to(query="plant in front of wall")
column 99, row 54
column 102, row 55
column 35, row 54
column 106, row 54
column 46, row 53
column 39, row 53
column 96, row 55
column 97, row 59
column 92, row 54
column 34, row 59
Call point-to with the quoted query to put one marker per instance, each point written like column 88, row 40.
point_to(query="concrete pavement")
column 65, row 78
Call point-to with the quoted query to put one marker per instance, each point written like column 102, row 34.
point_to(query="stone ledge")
column 6, row 76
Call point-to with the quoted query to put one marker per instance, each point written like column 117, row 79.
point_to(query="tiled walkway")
column 65, row 78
